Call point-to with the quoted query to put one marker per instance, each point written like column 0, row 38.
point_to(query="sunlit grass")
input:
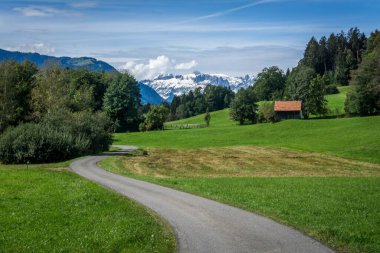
column 47, row 208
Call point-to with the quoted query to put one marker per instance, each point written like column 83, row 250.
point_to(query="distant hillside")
column 149, row 95
column 66, row 62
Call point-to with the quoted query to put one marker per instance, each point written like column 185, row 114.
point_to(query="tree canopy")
column 122, row 102
column 243, row 106
column 364, row 96
column 270, row 84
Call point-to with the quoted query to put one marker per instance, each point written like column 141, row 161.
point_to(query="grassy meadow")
column 332, row 199
column 321, row 176
column 238, row 161
column 335, row 102
column 353, row 138
column 47, row 208
column 337, row 205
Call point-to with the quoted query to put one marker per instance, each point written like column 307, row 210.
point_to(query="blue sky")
column 149, row 37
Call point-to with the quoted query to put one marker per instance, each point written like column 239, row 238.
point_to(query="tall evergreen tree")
column 357, row 44
column 324, row 63
column 311, row 57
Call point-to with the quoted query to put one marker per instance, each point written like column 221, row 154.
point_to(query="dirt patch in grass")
column 243, row 161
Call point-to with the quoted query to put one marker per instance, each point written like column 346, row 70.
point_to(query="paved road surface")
column 203, row 225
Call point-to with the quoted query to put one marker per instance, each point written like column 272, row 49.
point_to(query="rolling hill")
column 65, row 62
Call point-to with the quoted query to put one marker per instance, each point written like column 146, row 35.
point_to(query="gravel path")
column 202, row 225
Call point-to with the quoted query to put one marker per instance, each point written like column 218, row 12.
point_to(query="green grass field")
column 47, row 208
column 339, row 206
column 354, row 138
column 321, row 176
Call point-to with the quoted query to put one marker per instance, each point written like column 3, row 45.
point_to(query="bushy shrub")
column 57, row 138
column 155, row 118
column 331, row 89
column 94, row 127
column 266, row 112
column 37, row 143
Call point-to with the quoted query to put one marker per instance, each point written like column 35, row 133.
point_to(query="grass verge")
column 50, row 209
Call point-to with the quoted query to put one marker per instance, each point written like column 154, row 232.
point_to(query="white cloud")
column 160, row 65
column 42, row 11
column 39, row 47
column 226, row 12
column 186, row 65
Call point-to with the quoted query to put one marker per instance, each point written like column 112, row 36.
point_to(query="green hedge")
column 56, row 140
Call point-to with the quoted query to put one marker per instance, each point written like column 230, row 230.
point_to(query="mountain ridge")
column 42, row 61
column 170, row 85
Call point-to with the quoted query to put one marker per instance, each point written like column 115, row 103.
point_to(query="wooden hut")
column 288, row 109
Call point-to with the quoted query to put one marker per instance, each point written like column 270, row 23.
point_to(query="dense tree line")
column 341, row 59
column 364, row 96
column 337, row 55
column 326, row 64
column 53, row 114
column 198, row 101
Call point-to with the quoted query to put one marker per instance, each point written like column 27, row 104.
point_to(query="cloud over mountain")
column 154, row 67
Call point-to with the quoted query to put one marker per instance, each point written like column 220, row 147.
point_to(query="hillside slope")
column 149, row 95
column 65, row 62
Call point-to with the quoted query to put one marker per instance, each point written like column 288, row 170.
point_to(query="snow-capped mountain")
column 169, row 85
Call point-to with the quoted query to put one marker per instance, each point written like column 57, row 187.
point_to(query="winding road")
column 202, row 225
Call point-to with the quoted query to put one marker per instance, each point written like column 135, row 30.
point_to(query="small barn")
column 288, row 109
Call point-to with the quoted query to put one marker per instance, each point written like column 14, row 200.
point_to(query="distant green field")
column 50, row 209
column 356, row 138
column 218, row 119
column 335, row 103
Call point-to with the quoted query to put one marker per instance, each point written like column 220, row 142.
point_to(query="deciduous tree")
column 243, row 106
column 122, row 101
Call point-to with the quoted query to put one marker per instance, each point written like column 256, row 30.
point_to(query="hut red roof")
column 287, row 106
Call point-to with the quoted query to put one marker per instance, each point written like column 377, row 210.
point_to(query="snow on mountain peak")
column 169, row 85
